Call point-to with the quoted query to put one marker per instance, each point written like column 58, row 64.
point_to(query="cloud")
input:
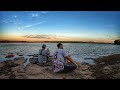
column 19, row 28
column 38, row 36
column 12, row 19
column 4, row 21
column 44, row 12
column 15, row 16
column 27, row 26
column 41, row 36
column 34, row 15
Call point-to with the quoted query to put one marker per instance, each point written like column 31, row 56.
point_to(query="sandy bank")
column 14, row 70
column 107, row 67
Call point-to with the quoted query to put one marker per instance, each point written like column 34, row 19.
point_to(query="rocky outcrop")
column 107, row 67
column 6, row 70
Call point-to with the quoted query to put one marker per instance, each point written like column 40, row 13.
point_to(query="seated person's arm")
column 71, row 60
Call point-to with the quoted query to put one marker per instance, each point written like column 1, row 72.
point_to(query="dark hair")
column 43, row 46
column 58, row 45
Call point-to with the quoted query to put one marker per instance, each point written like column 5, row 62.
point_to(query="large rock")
column 85, row 67
column 106, row 70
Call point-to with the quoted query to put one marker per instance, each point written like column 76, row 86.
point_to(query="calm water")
column 81, row 52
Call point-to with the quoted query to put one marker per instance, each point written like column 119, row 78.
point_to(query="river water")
column 80, row 52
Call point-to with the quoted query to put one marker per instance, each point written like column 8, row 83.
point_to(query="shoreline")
column 106, row 67
column 56, row 42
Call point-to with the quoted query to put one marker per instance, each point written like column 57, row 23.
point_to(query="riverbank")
column 107, row 67
column 15, row 70
column 91, row 42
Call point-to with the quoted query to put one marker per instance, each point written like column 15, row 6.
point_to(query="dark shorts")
column 69, row 67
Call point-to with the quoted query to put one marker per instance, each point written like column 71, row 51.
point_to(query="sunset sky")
column 98, row 26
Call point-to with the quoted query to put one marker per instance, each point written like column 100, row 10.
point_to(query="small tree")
column 117, row 42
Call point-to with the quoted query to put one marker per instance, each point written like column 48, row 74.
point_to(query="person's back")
column 59, row 64
column 60, row 54
column 43, row 55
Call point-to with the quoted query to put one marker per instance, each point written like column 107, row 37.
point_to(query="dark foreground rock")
column 107, row 67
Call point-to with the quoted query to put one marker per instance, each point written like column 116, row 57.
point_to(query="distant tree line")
column 6, row 41
column 117, row 42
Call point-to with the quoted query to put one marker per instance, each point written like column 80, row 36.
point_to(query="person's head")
column 43, row 46
column 60, row 45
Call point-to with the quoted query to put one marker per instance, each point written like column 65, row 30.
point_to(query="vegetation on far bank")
column 7, row 41
column 117, row 42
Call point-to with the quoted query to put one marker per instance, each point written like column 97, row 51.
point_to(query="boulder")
column 106, row 70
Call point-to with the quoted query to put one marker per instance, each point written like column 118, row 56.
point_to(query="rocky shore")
column 107, row 67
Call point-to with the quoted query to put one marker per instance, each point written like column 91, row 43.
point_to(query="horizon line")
column 8, row 41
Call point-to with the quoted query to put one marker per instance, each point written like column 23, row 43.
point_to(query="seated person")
column 43, row 55
column 59, row 64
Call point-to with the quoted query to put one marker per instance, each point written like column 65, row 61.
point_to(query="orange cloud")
column 14, row 37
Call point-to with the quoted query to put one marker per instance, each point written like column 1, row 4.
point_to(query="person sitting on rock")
column 43, row 55
column 59, row 64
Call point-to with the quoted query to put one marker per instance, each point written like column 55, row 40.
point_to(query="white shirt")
column 60, row 54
